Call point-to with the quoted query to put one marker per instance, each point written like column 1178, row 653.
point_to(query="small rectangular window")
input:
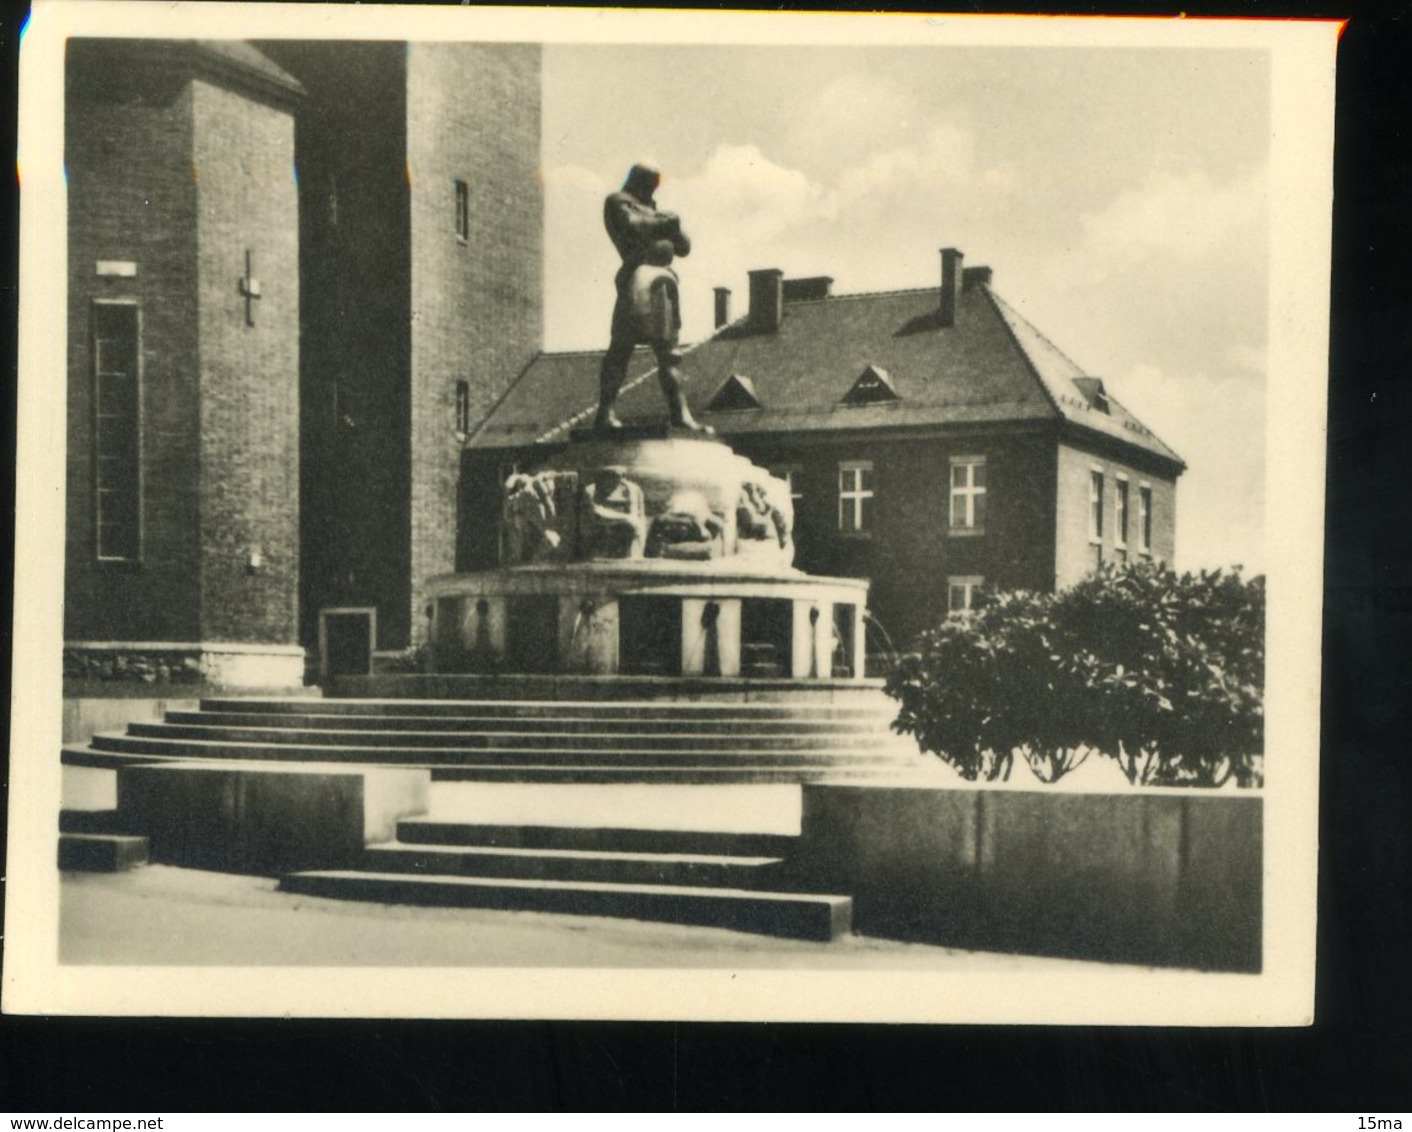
column 855, row 497
column 961, row 593
column 117, row 440
column 968, row 494
column 1095, row 505
column 1144, row 519
column 463, row 408
column 1120, row 512
column 463, row 211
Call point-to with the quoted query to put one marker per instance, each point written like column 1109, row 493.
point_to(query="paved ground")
column 162, row 916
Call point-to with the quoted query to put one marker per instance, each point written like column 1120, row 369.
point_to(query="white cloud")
column 851, row 117
column 945, row 156
column 741, row 192
column 1217, row 425
column 1181, row 217
column 573, row 179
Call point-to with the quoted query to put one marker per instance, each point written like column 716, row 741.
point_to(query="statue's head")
column 643, row 179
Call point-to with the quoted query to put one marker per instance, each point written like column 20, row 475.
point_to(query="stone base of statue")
column 648, row 553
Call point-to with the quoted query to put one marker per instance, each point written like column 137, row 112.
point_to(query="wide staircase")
column 528, row 741
column 672, row 811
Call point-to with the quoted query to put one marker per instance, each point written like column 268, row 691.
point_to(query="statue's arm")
column 624, row 218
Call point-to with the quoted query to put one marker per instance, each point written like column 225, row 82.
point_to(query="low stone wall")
column 266, row 820
column 85, row 716
column 120, row 668
column 1168, row 878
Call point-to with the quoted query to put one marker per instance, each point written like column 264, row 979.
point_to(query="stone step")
column 101, row 853
column 457, row 756
column 743, row 774
column 864, row 725
column 686, row 739
column 594, row 839
column 635, row 711
column 89, row 821
column 614, row 867
column 72, row 754
column 755, row 770
column 570, row 688
column 795, row 915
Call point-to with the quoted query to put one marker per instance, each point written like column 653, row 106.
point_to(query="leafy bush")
column 1160, row 671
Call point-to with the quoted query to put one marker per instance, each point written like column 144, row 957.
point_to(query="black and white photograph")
column 604, row 514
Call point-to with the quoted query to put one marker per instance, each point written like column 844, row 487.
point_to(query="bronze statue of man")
column 647, row 310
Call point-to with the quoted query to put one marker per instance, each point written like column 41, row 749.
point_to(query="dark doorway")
column 649, row 636
column 346, row 642
column 766, row 637
column 843, row 616
column 532, row 634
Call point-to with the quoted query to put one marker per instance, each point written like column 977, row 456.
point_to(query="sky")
column 1119, row 195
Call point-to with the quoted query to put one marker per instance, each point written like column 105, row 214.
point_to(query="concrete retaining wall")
column 1169, row 879
column 266, row 819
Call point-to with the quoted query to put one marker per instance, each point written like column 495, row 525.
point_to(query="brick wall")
column 911, row 552
column 127, row 145
column 354, row 271
column 473, row 114
column 1075, row 553
column 243, row 164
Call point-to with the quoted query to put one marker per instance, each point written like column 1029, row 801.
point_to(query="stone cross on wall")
column 249, row 286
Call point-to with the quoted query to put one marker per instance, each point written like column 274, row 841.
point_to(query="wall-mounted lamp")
column 255, row 559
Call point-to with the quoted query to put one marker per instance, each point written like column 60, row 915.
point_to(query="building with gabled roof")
column 934, row 439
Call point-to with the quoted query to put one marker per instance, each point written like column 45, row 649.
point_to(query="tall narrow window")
column 1095, row 505
column 463, row 211
column 1120, row 512
column 117, row 478
column 1144, row 519
column 463, row 408
column 967, row 494
column 855, row 497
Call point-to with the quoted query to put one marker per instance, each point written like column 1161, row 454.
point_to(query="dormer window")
column 736, row 394
column 1094, row 393
column 874, row 386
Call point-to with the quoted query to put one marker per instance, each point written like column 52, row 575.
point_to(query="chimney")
column 766, row 299
column 807, row 290
column 975, row 277
column 951, row 271
column 723, row 306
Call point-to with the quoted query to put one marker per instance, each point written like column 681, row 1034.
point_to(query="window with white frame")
column 967, row 494
column 1095, row 505
column 961, row 593
column 855, row 497
column 1120, row 511
column 1144, row 519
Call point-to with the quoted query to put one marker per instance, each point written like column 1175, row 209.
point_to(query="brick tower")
column 421, row 282
column 183, row 381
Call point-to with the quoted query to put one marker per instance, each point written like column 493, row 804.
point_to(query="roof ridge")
column 1132, row 423
column 1040, row 334
column 881, row 294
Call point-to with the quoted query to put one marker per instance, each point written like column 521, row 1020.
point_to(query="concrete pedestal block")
column 101, row 853
column 266, row 819
column 1170, row 878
